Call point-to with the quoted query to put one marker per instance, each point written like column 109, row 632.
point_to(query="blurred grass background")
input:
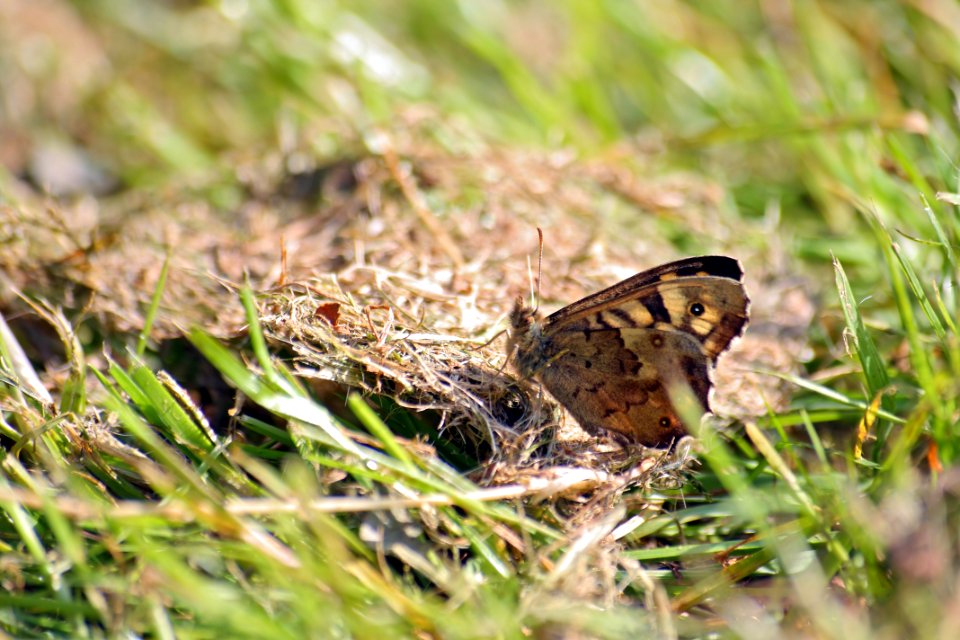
column 833, row 125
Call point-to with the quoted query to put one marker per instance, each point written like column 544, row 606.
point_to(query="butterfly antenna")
column 536, row 302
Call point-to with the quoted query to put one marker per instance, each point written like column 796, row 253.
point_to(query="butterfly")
column 612, row 357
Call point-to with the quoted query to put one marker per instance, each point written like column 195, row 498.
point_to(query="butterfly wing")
column 611, row 357
column 712, row 309
column 701, row 266
column 619, row 380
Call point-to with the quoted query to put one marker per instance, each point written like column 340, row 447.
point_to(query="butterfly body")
column 612, row 357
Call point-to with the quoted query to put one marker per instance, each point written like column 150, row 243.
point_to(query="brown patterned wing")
column 701, row 266
column 611, row 357
column 618, row 379
column 711, row 309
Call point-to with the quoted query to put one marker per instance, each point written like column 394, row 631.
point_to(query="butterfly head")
column 522, row 317
column 525, row 338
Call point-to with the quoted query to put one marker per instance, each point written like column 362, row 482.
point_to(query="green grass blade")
column 176, row 421
column 255, row 331
column 379, row 429
column 918, row 292
column 285, row 402
column 873, row 370
column 151, row 315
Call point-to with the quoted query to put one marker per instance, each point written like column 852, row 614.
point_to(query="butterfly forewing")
column 703, row 266
column 712, row 310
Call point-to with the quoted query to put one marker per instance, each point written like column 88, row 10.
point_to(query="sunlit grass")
column 830, row 126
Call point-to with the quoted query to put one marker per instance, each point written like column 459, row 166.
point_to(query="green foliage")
column 832, row 123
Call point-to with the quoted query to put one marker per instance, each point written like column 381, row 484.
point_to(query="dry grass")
column 418, row 323
column 417, row 312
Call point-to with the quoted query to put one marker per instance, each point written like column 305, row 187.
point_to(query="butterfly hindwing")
column 619, row 380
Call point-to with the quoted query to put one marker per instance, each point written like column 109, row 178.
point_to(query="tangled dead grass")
column 393, row 272
column 416, row 315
